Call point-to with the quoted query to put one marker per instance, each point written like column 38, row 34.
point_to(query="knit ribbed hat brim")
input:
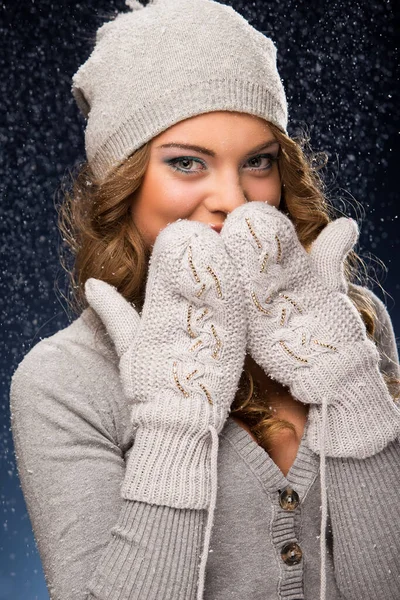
column 174, row 59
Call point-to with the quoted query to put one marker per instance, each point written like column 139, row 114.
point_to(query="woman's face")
column 235, row 159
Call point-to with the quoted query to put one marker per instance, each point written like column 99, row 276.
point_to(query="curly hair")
column 102, row 240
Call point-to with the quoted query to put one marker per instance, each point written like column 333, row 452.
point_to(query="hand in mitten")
column 180, row 362
column 305, row 332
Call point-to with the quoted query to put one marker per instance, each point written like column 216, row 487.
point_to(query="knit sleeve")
column 93, row 544
column 364, row 511
column 364, row 504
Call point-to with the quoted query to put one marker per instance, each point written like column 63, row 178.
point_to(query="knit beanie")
column 157, row 65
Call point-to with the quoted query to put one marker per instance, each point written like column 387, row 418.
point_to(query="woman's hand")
column 306, row 333
column 180, row 361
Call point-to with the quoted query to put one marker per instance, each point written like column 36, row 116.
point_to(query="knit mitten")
column 305, row 332
column 180, row 362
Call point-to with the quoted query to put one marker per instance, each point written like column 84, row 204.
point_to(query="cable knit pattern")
column 305, row 331
column 139, row 80
column 180, row 362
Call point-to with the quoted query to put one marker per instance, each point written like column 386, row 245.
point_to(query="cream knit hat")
column 173, row 59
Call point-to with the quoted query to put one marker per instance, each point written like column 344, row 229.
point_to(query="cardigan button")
column 291, row 554
column 289, row 499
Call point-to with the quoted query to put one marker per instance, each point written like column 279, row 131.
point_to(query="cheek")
column 159, row 203
column 172, row 201
column 276, row 189
column 267, row 190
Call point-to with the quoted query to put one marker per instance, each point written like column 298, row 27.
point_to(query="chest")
column 252, row 525
column 285, row 445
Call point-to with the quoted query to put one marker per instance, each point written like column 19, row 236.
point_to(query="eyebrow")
column 209, row 152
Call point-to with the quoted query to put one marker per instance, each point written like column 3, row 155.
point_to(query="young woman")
column 217, row 423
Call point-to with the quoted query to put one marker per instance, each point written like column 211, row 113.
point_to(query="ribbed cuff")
column 153, row 553
column 169, row 468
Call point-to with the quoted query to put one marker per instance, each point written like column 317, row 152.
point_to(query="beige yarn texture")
column 180, row 361
column 306, row 333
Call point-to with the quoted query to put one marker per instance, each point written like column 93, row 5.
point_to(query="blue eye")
column 182, row 159
column 271, row 159
column 189, row 159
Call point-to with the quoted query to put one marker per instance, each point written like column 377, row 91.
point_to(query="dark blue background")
column 338, row 64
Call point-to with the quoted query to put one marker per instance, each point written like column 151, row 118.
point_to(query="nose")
column 226, row 196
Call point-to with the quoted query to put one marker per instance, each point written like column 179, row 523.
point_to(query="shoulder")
column 384, row 333
column 75, row 371
column 82, row 342
column 379, row 306
column 383, row 323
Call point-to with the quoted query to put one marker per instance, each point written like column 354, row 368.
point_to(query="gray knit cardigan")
column 72, row 436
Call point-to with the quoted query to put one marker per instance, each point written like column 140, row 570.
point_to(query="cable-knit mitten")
column 180, row 361
column 305, row 332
